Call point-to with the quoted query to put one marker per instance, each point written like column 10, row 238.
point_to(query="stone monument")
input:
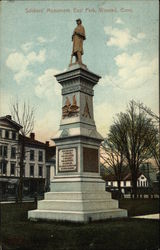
column 77, row 190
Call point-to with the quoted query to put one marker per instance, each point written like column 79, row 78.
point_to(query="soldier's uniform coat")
column 78, row 37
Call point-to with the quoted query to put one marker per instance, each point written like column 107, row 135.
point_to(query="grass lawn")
column 140, row 206
column 17, row 233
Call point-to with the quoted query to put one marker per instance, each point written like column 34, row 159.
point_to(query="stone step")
column 77, row 195
column 77, row 205
column 76, row 216
column 77, row 186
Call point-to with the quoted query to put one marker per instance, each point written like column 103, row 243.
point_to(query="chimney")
column 32, row 136
column 47, row 143
column 9, row 117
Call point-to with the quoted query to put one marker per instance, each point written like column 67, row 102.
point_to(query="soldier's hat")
column 79, row 20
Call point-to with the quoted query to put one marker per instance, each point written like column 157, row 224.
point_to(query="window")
column 3, row 151
column 31, row 155
column 32, row 170
column 12, row 168
column 6, row 134
column 40, row 171
column 40, row 156
column 3, row 167
column 13, row 152
column 14, row 135
column 0, row 133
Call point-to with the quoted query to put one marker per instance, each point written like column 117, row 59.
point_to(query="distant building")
column 150, row 171
column 126, row 182
column 9, row 147
column 34, row 165
column 35, row 162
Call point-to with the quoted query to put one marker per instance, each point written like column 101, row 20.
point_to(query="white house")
column 126, row 183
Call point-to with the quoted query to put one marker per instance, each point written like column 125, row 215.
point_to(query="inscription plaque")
column 90, row 160
column 67, row 159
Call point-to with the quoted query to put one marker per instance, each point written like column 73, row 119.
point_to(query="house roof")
column 110, row 178
column 32, row 142
column 8, row 118
column 125, row 177
column 128, row 177
column 50, row 150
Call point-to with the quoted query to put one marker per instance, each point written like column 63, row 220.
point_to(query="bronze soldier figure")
column 77, row 38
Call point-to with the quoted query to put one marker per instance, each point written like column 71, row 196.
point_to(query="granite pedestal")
column 77, row 190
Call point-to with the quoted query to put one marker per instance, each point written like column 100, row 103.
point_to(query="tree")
column 155, row 146
column 23, row 114
column 114, row 158
column 143, row 107
column 132, row 133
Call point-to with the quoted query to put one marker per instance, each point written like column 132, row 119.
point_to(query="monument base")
column 81, row 201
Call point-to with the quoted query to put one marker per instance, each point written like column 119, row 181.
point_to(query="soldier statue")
column 77, row 38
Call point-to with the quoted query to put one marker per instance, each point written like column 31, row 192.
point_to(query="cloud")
column 104, row 115
column 119, row 20
column 133, row 71
column 27, row 46
column 47, row 85
column 135, row 74
column 42, row 39
column 39, row 41
column 39, row 57
column 121, row 38
column 5, row 99
column 21, row 75
column 18, row 63
column 47, row 126
column 141, row 35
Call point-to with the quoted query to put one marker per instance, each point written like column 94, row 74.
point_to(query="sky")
column 121, row 47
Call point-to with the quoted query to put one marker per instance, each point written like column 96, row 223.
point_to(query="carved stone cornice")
column 78, row 74
column 76, row 88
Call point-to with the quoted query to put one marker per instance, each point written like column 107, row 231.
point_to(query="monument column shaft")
column 77, row 141
column 77, row 190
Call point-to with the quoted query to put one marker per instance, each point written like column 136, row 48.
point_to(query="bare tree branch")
column 133, row 134
column 24, row 115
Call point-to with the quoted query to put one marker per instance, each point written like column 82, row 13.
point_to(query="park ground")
column 18, row 233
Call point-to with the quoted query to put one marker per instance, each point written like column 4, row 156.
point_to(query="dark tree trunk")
column 134, row 184
column 119, row 188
